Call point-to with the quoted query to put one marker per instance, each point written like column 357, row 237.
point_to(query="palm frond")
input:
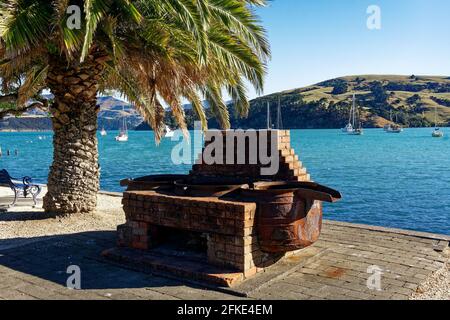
column 24, row 24
column 34, row 82
column 234, row 15
column 238, row 93
column 94, row 11
column 198, row 108
column 154, row 52
column 217, row 105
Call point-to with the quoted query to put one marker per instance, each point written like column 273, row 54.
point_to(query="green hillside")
column 411, row 100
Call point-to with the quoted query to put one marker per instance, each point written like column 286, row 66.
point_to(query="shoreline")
column 366, row 128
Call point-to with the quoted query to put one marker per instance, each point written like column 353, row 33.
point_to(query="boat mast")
column 435, row 117
column 354, row 112
column 350, row 115
column 124, row 121
column 279, row 119
column 268, row 116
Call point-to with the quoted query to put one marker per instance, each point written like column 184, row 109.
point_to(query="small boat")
column 352, row 128
column 357, row 132
column 393, row 128
column 122, row 137
column 437, row 133
column 349, row 128
column 169, row 132
column 103, row 132
column 123, row 134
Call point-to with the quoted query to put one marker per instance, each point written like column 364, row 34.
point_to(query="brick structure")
column 291, row 169
column 228, row 224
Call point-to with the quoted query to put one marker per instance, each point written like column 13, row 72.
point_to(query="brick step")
column 284, row 145
column 303, row 177
column 197, row 270
column 296, row 165
column 300, row 171
column 287, row 152
column 289, row 159
column 284, row 139
column 291, row 165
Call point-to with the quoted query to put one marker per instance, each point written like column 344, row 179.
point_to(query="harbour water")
column 393, row 180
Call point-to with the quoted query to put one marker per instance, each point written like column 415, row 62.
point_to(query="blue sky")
column 315, row 40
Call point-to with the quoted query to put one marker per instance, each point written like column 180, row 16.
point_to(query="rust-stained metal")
column 289, row 213
column 208, row 187
column 153, row 182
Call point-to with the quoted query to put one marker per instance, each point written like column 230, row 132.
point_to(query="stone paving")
column 36, row 268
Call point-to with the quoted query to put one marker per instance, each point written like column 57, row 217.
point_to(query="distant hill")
column 110, row 116
column 411, row 100
column 113, row 110
column 26, row 123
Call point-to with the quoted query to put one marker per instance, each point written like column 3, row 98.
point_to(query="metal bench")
column 21, row 187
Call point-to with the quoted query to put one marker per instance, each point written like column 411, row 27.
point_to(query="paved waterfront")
column 35, row 268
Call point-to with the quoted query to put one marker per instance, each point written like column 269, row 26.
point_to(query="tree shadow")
column 49, row 258
column 25, row 215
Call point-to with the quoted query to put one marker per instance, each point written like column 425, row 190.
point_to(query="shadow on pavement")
column 49, row 257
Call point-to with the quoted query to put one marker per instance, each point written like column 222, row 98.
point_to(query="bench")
column 21, row 187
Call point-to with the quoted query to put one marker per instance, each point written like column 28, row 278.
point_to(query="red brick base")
column 228, row 225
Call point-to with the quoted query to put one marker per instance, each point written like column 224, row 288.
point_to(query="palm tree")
column 154, row 52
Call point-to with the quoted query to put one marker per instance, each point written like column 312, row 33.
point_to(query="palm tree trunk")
column 73, row 181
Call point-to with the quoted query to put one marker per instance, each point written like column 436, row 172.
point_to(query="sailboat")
column 103, row 132
column 169, row 132
column 351, row 126
column 437, row 133
column 123, row 134
column 393, row 128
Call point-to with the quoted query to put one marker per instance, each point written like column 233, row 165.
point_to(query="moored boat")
column 395, row 127
column 437, row 133
column 123, row 134
column 354, row 126
column 169, row 132
column 349, row 128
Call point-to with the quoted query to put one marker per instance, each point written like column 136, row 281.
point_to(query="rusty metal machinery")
column 289, row 214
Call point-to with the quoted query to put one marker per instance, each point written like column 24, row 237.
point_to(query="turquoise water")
column 393, row 180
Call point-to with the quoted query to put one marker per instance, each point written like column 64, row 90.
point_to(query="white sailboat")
column 393, row 128
column 123, row 134
column 103, row 133
column 437, row 133
column 352, row 128
column 349, row 127
column 169, row 132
